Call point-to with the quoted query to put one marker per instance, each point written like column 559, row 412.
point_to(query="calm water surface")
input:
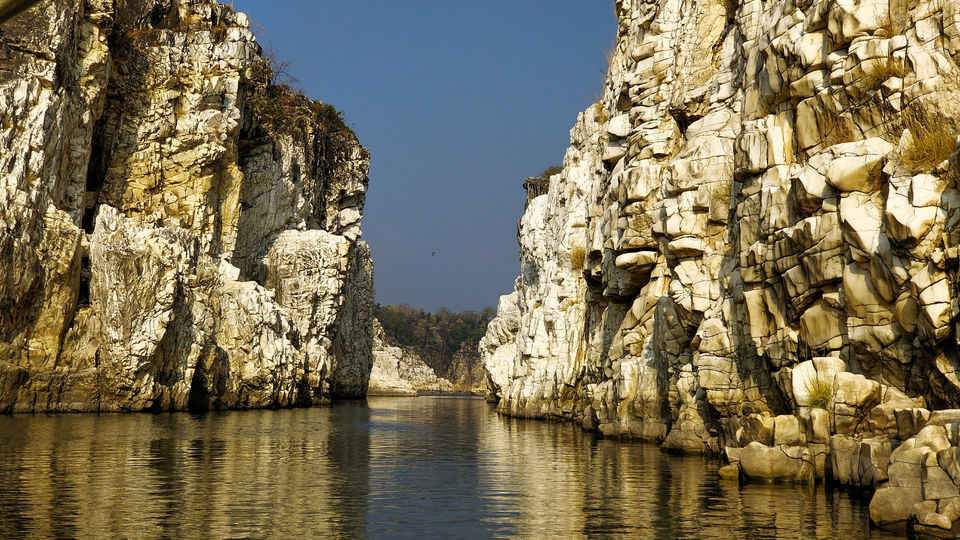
column 393, row 467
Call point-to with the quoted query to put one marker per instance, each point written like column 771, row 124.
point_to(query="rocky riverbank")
column 751, row 249
column 178, row 229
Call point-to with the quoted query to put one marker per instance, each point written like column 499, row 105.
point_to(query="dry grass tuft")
column 835, row 129
column 885, row 24
column 821, row 393
column 884, row 69
column 578, row 255
column 282, row 110
column 599, row 113
column 932, row 138
column 926, row 129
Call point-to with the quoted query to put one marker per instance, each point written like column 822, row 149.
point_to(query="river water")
column 427, row 467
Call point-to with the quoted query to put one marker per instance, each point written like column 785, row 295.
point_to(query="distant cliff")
column 752, row 248
column 399, row 371
column 445, row 341
column 177, row 229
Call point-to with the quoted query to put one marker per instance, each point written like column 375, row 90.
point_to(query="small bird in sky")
column 434, row 254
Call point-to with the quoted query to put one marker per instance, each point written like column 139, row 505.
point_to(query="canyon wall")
column 177, row 229
column 399, row 371
column 752, row 248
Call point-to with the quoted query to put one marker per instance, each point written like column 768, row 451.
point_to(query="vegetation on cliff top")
column 443, row 331
column 538, row 185
column 435, row 337
column 282, row 110
column 548, row 172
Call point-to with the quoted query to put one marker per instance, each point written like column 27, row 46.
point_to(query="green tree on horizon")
column 436, row 337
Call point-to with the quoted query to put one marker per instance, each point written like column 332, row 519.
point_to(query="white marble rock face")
column 401, row 372
column 161, row 249
column 752, row 248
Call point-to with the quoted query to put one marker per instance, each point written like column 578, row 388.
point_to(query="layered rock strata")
column 177, row 231
column 399, row 371
column 752, row 248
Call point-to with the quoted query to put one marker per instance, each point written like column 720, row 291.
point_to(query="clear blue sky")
column 458, row 102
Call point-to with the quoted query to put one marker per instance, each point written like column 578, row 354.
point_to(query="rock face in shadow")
column 752, row 247
column 177, row 230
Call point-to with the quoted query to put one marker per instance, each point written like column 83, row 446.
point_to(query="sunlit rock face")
column 165, row 246
column 753, row 244
column 399, row 371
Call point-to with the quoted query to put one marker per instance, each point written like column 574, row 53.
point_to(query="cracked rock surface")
column 399, row 371
column 752, row 248
column 165, row 246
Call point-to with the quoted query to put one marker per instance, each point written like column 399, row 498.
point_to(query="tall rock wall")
column 753, row 246
column 176, row 230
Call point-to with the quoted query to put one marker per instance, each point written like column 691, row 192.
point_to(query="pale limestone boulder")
column 311, row 274
column 686, row 246
column 807, row 375
column 944, row 417
column 857, row 391
column 815, row 184
column 619, row 126
column 819, row 426
column 926, row 190
column 874, row 458
column 950, row 508
column 756, row 428
column 133, row 283
column 933, row 437
column 813, row 48
column 863, row 223
column 637, row 260
column 614, row 151
column 856, row 166
column 776, row 463
column 933, row 519
column 787, row 431
column 891, row 504
column 937, row 482
column 910, row 420
column 259, row 366
column 906, row 223
column 845, row 459
column 849, row 19
column 498, row 346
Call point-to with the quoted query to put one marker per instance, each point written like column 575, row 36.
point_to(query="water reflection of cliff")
column 242, row 474
column 410, row 467
column 556, row 480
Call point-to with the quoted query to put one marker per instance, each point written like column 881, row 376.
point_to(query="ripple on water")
column 391, row 467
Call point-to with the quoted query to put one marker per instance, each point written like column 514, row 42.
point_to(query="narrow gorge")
column 748, row 260
column 752, row 249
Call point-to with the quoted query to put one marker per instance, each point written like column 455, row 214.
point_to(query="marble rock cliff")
column 399, row 371
column 176, row 230
column 752, row 248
